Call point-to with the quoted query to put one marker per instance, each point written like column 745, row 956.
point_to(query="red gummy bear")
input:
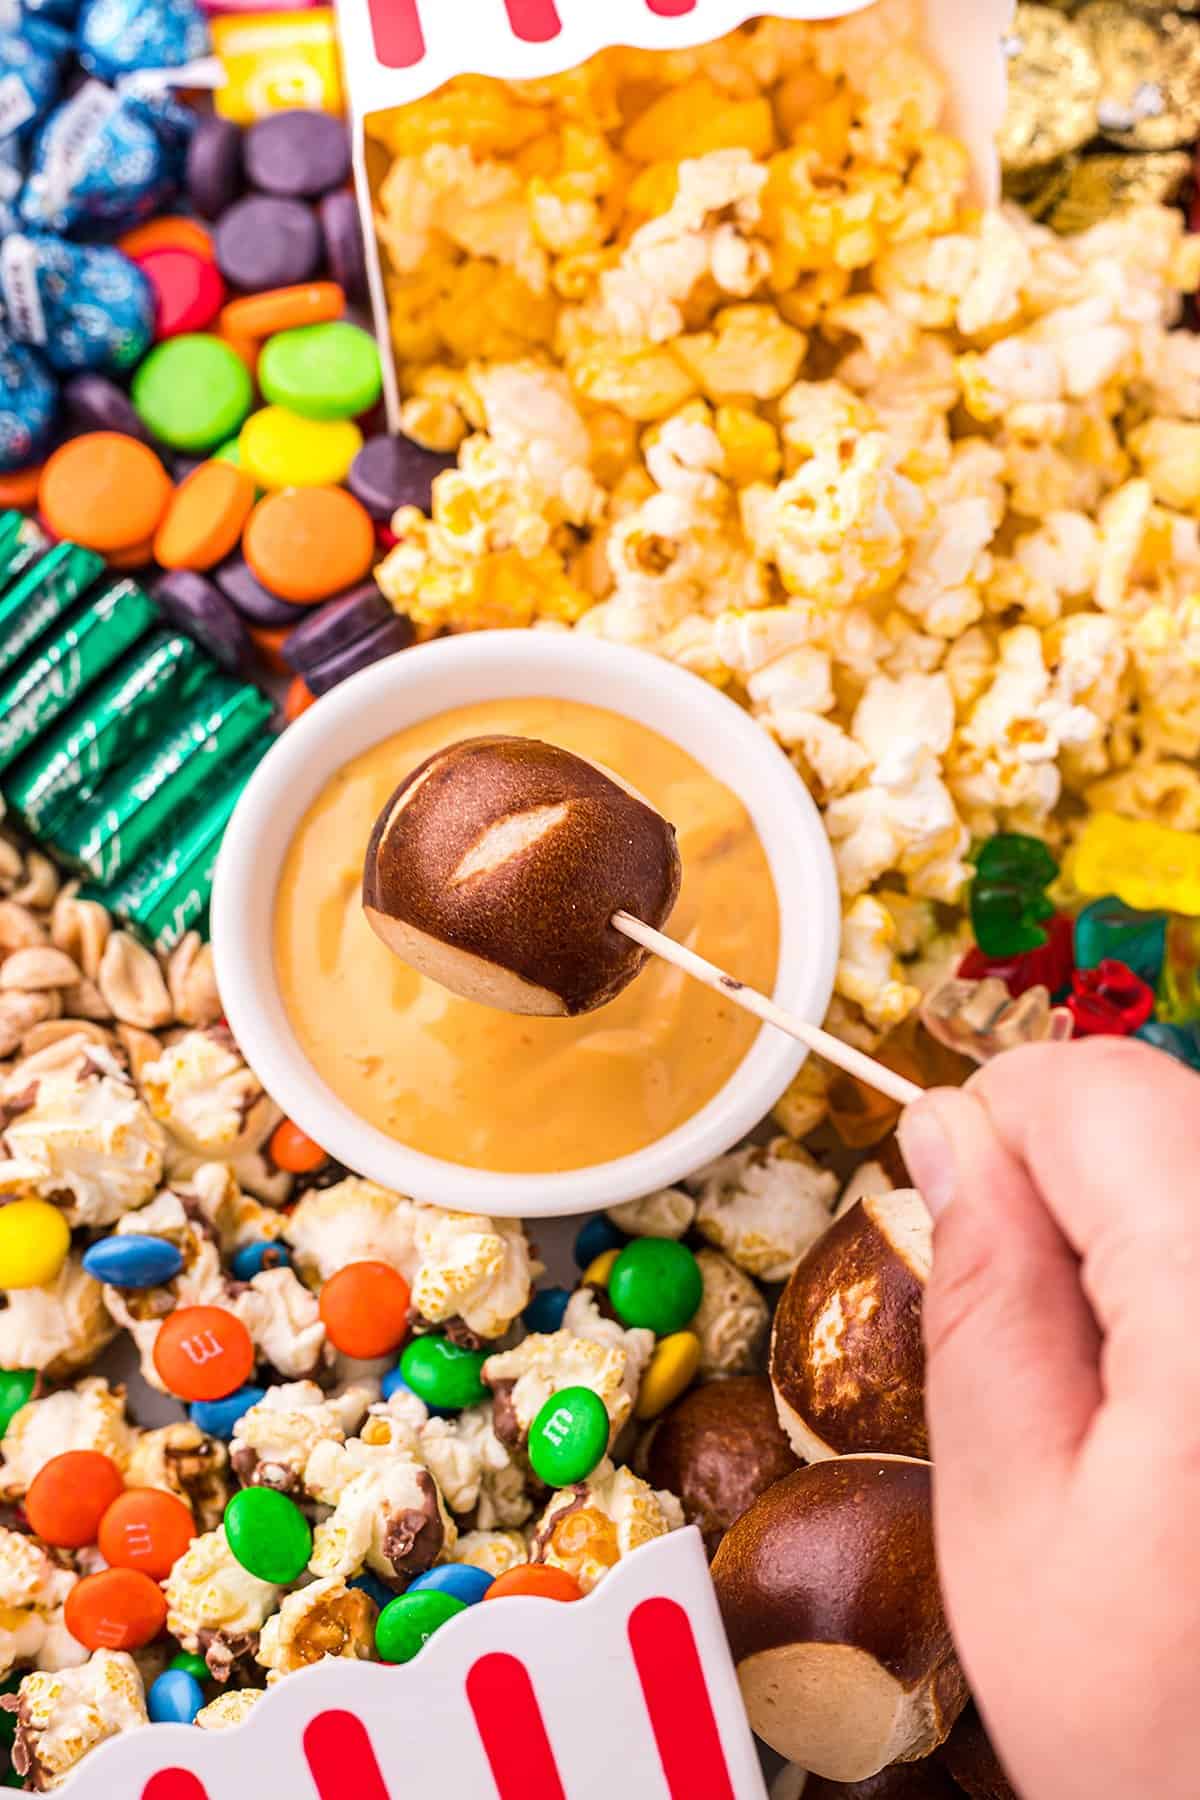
column 1050, row 967
column 1109, row 1000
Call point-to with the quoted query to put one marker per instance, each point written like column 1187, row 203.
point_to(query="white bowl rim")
column 459, row 671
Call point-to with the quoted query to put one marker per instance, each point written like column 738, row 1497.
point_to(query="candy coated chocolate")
column 193, row 604
column 297, row 154
column 390, row 472
column 242, row 588
column 214, row 166
column 95, row 403
column 266, row 242
column 718, row 1449
column 341, row 228
column 385, row 640
column 327, row 630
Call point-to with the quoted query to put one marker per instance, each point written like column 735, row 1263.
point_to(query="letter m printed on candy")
column 631, row 1690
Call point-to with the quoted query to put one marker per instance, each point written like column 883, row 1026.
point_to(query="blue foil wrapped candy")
column 28, row 405
column 85, row 306
column 32, row 61
column 117, row 37
column 103, row 161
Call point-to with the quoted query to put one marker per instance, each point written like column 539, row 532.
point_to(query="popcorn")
column 458, row 1265
column 63, row 1715
column 325, row 1619
column 210, row 1102
column 88, row 1416
column 667, row 1214
column 33, row 1588
column 284, row 1319
column 274, row 1440
column 495, row 1551
column 388, row 1513
column 215, row 1607
column 60, row 1328
column 185, row 1461
column 80, row 1135
column 868, row 972
column 588, row 1528
column 588, row 1351
column 228, row 1710
column 765, row 1208
column 731, row 1319
column 474, row 1470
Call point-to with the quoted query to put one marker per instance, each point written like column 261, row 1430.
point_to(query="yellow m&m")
column 34, row 1241
column 671, row 1371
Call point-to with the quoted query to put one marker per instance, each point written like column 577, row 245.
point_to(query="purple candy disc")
column 98, row 404
column 327, row 630
column 393, row 471
column 193, row 604
column 263, row 242
column 397, row 634
column 341, row 228
column 214, row 165
column 297, row 154
column 242, row 588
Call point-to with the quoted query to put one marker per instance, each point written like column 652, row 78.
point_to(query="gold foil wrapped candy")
column 1149, row 74
column 1054, row 89
column 1097, row 186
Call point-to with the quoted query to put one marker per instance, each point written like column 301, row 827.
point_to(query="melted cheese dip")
column 495, row 1090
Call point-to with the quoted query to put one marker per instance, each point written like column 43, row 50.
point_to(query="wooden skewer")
column 843, row 1056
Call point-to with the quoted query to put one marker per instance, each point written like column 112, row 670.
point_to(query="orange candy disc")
column 118, row 1609
column 283, row 309
column 203, row 1353
column 365, row 1309
column 268, row 641
column 146, row 1529
column 70, row 1495
column 297, row 700
column 293, row 1149
column 105, row 491
column 172, row 232
column 538, row 1579
column 204, row 520
column 307, row 544
column 20, row 487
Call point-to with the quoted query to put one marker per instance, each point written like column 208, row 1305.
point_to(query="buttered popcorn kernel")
column 734, row 374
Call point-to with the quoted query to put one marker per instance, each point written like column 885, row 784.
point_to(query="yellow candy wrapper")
column 274, row 61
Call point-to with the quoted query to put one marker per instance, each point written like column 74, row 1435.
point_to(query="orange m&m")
column 146, row 1529
column 70, row 1495
column 365, row 1309
column 118, row 1609
column 293, row 1150
column 537, row 1579
column 203, row 1353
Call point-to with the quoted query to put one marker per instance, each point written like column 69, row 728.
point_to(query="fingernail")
column 929, row 1154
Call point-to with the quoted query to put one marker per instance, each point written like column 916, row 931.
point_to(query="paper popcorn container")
column 395, row 51
column 631, row 1691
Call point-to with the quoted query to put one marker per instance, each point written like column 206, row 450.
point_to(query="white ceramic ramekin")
column 417, row 684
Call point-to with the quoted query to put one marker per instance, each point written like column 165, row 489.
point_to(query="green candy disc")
column 656, row 1283
column 407, row 1624
column 268, row 1534
column 16, row 1390
column 568, row 1437
column 326, row 371
column 444, row 1374
column 193, row 392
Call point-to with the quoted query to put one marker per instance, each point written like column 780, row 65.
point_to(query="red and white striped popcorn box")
column 394, row 51
column 630, row 1692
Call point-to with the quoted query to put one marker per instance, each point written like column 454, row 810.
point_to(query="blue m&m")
column 135, row 1260
column 462, row 1580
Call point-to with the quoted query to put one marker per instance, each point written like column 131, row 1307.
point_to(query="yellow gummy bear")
column 1150, row 867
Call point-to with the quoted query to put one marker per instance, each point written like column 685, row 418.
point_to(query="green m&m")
column 656, row 1283
column 16, row 1390
column 444, row 1374
column 406, row 1625
column 268, row 1534
column 188, row 1663
column 568, row 1437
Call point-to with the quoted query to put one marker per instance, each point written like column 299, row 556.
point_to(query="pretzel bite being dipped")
column 496, row 868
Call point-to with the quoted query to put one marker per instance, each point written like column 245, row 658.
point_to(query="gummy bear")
column 1109, row 1001
column 1050, row 966
column 1179, row 988
column 1008, row 894
column 981, row 1019
column 1152, row 867
column 1110, row 929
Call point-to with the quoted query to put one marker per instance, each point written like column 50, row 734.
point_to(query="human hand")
column 1061, row 1326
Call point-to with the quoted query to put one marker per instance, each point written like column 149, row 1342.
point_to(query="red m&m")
column 203, row 1353
column 70, row 1495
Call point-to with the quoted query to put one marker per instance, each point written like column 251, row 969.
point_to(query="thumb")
column 1012, row 1346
